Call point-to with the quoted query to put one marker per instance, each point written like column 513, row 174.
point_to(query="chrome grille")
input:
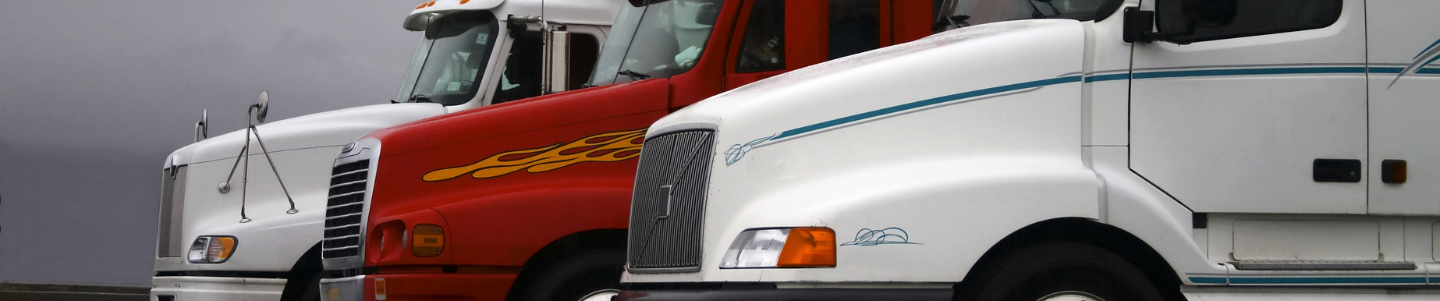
column 344, row 218
column 172, row 209
column 668, row 208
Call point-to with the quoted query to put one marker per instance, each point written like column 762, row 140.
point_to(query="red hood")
column 517, row 117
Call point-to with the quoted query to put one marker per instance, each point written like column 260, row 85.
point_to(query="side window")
column 583, row 53
column 521, row 77
column 763, row 48
column 962, row 13
column 854, row 27
column 1237, row 18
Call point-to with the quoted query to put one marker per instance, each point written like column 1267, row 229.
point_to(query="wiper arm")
column 419, row 98
column 633, row 75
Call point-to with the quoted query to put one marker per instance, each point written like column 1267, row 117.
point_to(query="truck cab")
column 528, row 200
column 1065, row 150
column 226, row 236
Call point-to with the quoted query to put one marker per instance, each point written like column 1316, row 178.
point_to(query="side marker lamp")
column 380, row 289
column 212, row 249
column 427, row 240
column 805, row 247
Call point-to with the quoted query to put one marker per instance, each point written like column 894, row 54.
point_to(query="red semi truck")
column 530, row 199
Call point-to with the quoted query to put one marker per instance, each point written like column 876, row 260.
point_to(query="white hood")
column 332, row 128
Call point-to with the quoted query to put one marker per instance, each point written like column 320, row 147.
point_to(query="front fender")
column 506, row 228
column 941, row 221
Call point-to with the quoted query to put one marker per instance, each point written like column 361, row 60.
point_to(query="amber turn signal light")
column 808, row 248
column 1392, row 171
column 427, row 240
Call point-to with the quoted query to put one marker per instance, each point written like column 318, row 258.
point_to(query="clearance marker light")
column 427, row 240
column 803, row 247
column 379, row 288
column 464, row 1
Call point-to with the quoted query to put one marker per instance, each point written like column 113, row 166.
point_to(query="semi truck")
column 222, row 239
column 1066, row 150
column 529, row 200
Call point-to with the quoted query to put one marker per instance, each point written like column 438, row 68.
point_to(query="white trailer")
column 221, row 240
column 1142, row 150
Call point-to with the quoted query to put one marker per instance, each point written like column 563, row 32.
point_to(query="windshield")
column 975, row 12
column 450, row 59
column 659, row 38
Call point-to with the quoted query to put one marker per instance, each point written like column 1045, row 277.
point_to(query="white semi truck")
column 1141, row 150
column 221, row 240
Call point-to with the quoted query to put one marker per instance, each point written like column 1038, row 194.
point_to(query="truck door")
column 1404, row 79
column 1264, row 111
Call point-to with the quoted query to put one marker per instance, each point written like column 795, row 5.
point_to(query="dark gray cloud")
column 94, row 94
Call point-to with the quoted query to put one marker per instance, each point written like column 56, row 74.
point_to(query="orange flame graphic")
column 603, row 147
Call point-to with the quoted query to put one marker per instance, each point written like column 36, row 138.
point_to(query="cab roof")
column 592, row 12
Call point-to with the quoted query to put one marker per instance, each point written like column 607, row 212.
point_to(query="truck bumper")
column 785, row 294
column 400, row 287
column 188, row 288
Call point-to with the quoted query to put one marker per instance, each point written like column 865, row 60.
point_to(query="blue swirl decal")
column 1425, row 57
column 887, row 236
column 738, row 151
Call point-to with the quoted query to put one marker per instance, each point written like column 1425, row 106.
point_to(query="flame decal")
column 603, row 147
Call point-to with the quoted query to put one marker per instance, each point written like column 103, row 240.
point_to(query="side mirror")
column 1139, row 25
column 557, row 66
column 262, row 107
column 1176, row 20
column 202, row 128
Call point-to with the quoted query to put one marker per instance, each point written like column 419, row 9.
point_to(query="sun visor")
column 430, row 11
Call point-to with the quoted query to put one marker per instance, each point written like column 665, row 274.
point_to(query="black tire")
column 577, row 276
column 1044, row 269
column 310, row 290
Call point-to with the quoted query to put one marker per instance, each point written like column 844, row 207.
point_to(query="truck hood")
column 988, row 53
column 329, row 128
column 935, row 123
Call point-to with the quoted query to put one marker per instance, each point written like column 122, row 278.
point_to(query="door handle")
column 1336, row 170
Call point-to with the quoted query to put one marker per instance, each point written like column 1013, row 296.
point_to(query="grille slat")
column 668, row 208
column 343, row 221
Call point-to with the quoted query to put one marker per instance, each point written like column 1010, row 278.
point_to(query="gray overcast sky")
column 94, row 94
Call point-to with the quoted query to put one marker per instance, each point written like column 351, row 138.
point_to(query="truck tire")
column 593, row 275
column 310, row 289
column 1060, row 270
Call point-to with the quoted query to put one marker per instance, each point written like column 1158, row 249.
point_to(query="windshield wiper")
column 419, row 98
column 633, row 75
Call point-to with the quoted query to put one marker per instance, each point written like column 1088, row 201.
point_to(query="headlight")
column 212, row 249
column 807, row 247
column 427, row 240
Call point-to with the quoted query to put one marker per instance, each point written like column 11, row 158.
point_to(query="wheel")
column 1060, row 270
column 589, row 276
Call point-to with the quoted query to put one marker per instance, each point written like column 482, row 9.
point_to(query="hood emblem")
column 348, row 147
